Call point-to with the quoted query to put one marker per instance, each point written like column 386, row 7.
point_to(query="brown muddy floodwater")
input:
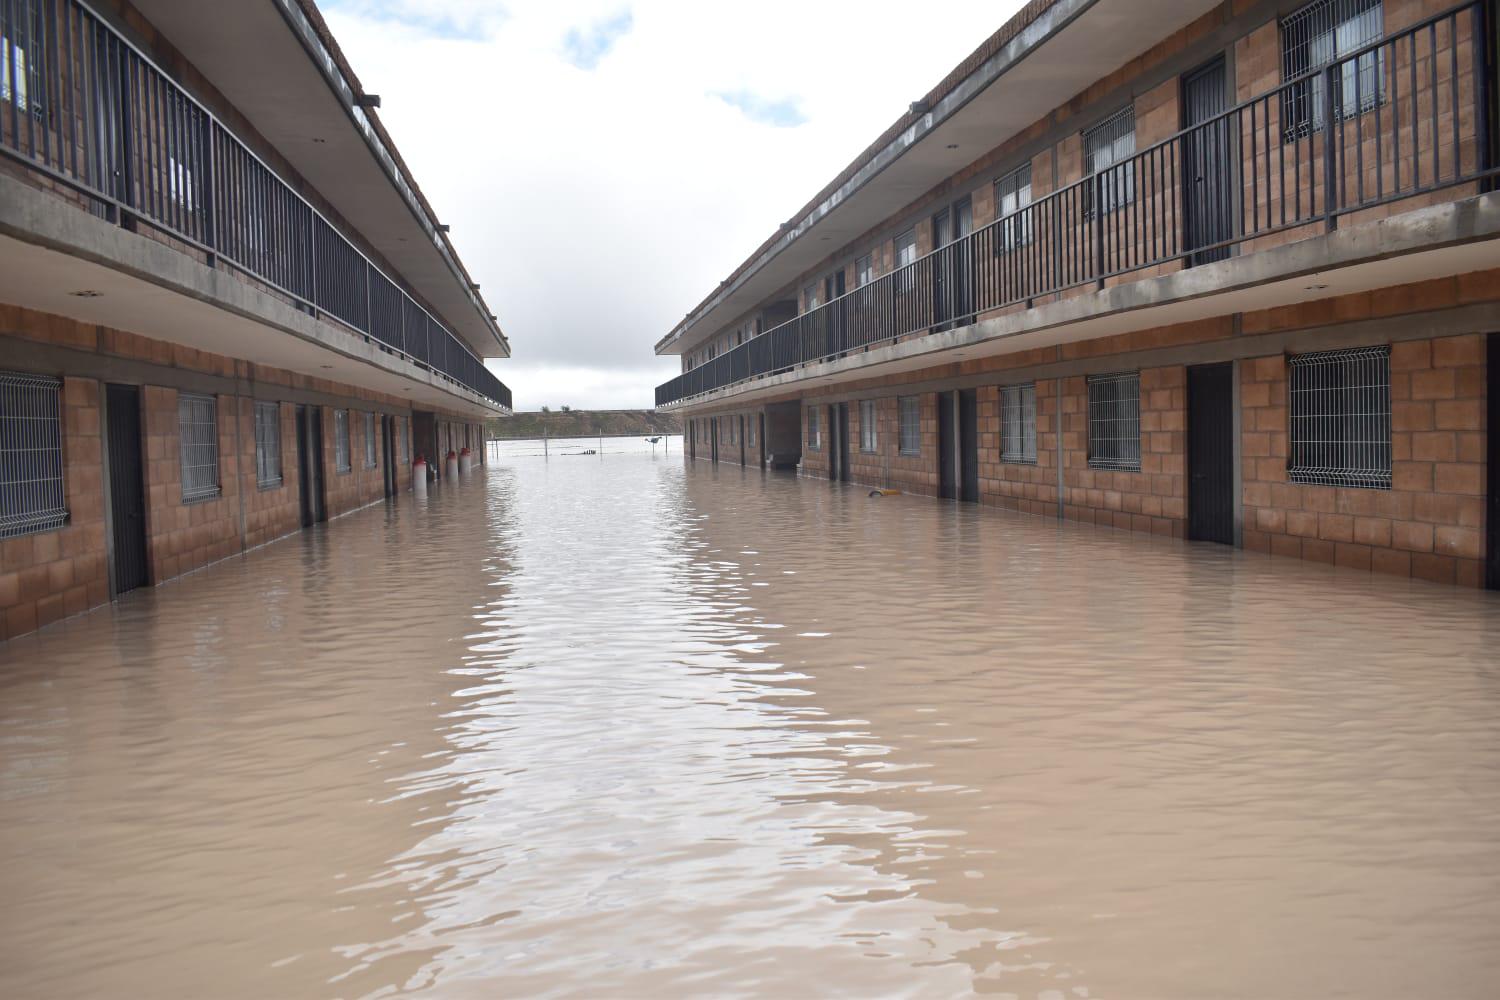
column 614, row 727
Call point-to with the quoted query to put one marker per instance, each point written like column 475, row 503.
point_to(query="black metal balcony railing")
column 1408, row 113
column 81, row 105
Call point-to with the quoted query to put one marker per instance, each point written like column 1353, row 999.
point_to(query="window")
column 20, row 68
column 911, row 424
column 810, row 296
column 1115, row 421
column 1317, row 35
column 267, row 444
column 750, row 422
column 867, row 433
column 1012, row 194
column 1018, row 423
column 406, row 440
column 341, row 440
column 180, row 182
column 906, row 255
column 814, row 430
column 864, row 271
column 198, row 448
column 31, row 460
column 1340, row 403
column 370, row 440
column 1107, row 150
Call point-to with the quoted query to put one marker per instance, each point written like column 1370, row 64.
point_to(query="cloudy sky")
column 604, row 165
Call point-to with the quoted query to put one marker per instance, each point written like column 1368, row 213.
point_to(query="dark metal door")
column 947, row 448
column 1211, row 453
column 388, row 453
column 1492, row 559
column 713, row 438
column 942, row 235
column 843, row 436
column 968, row 444
column 741, row 419
column 127, row 495
column 1207, row 159
column 310, row 464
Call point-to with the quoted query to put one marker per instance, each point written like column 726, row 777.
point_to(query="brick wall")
column 183, row 536
column 1153, row 499
column 1430, row 524
column 1029, row 489
column 270, row 511
column 49, row 575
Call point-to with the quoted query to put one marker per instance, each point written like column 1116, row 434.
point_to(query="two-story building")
column 1225, row 271
column 226, row 310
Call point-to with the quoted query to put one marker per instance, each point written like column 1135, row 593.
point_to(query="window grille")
column 198, row 449
column 341, row 440
column 867, row 429
column 911, row 424
column 1115, row 421
column 1319, row 34
column 814, row 429
column 31, row 460
column 1012, row 195
column 906, row 255
column 406, row 440
column 750, row 430
column 268, row 444
column 370, row 440
column 1107, row 149
column 810, row 297
column 1340, row 403
column 1018, row 423
column 21, row 81
column 864, row 271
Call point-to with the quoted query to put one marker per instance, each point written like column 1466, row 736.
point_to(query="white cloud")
column 598, row 205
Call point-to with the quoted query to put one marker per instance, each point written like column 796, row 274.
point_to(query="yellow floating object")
column 885, row 493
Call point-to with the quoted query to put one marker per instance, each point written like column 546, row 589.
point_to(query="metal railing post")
column 1330, row 164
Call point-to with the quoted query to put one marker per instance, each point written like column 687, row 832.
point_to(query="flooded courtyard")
column 613, row 725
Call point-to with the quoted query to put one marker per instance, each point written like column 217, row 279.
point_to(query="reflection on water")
column 610, row 726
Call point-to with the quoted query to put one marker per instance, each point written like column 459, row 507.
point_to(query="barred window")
column 406, row 440
column 814, row 429
column 750, row 430
column 867, row 430
column 1012, row 195
column 198, row 451
column 906, row 255
column 1115, row 421
column 1107, row 149
column 1321, row 33
column 341, row 440
column 1018, row 424
column 31, row 459
column 1340, row 404
column 370, row 440
column 267, row 444
column 864, row 271
column 21, row 48
column 911, row 424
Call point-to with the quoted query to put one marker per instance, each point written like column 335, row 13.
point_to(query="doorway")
column 1211, row 453
column 1208, row 200
column 952, row 287
column 127, row 494
column 841, row 434
column 1492, row 455
column 958, row 445
column 310, row 464
column 388, row 453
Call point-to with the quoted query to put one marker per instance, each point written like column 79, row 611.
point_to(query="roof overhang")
column 1067, row 47
column 279, row 69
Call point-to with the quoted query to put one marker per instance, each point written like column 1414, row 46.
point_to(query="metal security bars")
column 869, row 435
column 1115, row 421
column 1315, row 36
column 1340, row 404
column 1429, row 131
column 82, row 106
column 814, row 429
column 341, row 459
column 369, row 440
column 1107, row 149
column 1018, row 424
column 267, row 445
column 198, row 446
column 910, row 424
column 31, row 459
